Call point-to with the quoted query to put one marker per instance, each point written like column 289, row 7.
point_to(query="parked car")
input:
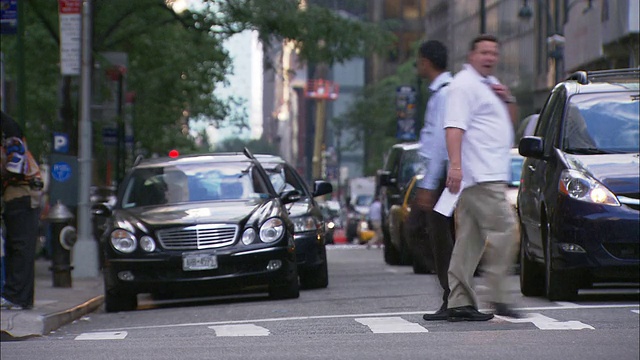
column 198, row 225
column 310, row 233
column 403, row 162
column 579, row 201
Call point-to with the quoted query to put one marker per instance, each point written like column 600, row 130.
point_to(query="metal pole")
column 22, row 82
column 319, row 139
column 3, row 94
column 483, row 16
column 85, row 251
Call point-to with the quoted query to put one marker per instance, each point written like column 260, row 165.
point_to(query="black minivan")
column 579, row 199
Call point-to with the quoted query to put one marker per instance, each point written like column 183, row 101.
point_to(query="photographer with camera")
column 21, row 191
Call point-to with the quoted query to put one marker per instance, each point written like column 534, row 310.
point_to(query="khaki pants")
column 482, row 213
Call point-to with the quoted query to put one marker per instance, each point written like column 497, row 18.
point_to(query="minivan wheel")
column 558, row 283
column 531, row 280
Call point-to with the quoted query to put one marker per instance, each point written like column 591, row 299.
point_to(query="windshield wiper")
column 586, row 151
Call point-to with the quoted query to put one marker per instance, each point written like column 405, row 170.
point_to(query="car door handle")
column 532, row 168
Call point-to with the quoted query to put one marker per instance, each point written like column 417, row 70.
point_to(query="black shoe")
column 441, row 314
column 467, row 313
column 506, row 310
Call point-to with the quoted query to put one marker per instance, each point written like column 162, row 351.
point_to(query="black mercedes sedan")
column 198, row 225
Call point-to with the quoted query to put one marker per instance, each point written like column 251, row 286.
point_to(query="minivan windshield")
column 602, row 123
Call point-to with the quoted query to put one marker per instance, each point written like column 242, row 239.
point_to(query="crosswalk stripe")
column 117, row 335
column 390, row 325
column 240, row 330
column 636, row 311
column 546, row 323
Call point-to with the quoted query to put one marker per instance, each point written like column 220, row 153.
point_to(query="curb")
column 55, row 320
column 44, row 324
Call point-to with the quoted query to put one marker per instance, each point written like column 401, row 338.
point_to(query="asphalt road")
column 369, row 311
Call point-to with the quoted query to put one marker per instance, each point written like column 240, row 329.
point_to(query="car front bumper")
column 607, row 236
column 236, row 271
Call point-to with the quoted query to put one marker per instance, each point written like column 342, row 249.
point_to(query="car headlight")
column 579, row 186
column 304, row 223
column 248, row 236
column 147, row 244
column 272, row 230
column 123, row 241
column 364, row 226
column 331, row 225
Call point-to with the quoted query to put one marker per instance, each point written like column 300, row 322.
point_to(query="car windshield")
column 192, row 183
column 604, row 123
column 364, row 200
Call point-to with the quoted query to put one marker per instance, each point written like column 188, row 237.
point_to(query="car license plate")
column 194, row 262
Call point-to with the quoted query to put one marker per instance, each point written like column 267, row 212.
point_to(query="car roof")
column 603, row 81
column 195, row 158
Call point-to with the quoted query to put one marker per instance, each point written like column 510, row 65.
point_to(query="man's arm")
column 454, row 149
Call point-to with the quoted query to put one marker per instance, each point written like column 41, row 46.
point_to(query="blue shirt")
column 433, row 147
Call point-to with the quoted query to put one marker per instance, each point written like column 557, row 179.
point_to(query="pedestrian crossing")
column 368, row 324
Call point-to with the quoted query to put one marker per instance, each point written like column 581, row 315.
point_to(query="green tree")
column 258, row 146
column 175, row 59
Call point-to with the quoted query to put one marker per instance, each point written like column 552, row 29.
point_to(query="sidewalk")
column 54, row 307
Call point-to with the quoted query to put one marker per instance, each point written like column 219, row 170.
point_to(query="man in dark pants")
column 432, row 64
column 21, row 186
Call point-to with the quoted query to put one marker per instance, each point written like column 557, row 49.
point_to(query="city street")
column 369, row 311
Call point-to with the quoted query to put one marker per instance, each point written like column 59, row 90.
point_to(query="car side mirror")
column 321, row 187
column 385, row 179
column 531, row 146
column 290, row 196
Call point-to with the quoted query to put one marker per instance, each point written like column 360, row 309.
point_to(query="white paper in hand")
column 447, row 201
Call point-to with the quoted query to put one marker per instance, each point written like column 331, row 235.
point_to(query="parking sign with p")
column 60, row 143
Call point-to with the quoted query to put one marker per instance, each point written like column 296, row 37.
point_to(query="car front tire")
column 290, row 289
column 531, row 275
column 115, row 301
column 315, row 278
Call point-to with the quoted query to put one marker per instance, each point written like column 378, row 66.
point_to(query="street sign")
column 70, row 36
column 8, row 17
column 60, row 143
column 61, row 171
column 405, row 113
column 110, row 136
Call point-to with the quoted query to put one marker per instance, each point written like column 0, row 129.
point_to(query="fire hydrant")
column 63, row 237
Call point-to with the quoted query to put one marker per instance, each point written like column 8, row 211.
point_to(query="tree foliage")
column 176, row 60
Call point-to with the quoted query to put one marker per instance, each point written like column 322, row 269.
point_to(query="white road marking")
column 338, row 316
column 568, row 304
column 636, row 311
column 118, row 335
column 240, row 330
column 390, row 325
column 546, row 323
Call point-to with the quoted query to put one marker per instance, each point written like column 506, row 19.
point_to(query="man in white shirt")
column 432, row 65
column 479, row 135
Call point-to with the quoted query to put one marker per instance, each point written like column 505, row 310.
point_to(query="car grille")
column 198, row 237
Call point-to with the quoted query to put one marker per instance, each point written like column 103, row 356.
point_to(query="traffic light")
column 174, row 153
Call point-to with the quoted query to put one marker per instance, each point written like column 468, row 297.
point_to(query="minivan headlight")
column 123, row 241
column 272, row 230
column 581, row 187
